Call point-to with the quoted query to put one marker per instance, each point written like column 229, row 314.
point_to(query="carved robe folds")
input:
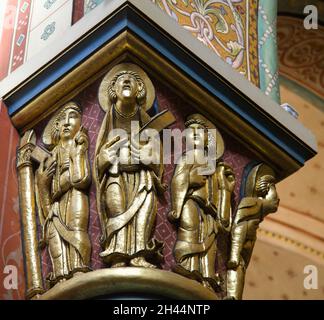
column 213, row 245
column 61, row 183
column 200, row 206
column 128, row 173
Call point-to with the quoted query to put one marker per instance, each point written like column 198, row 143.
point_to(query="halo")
column 47, row 133
column 258, row 171
column 220, row 145
column 104, row 100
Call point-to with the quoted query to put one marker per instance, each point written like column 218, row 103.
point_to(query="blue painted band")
column 129, row 19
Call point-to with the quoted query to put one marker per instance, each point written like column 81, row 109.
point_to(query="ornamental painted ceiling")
column 229, row 28
column 301, row 54
column 296, row 7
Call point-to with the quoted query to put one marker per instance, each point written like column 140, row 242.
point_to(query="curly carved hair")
column 55, row 131
column 263, row 184
column 141, row 95
column 211, row 138
column 196, row 121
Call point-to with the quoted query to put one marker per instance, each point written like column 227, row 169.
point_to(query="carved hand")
column 82, row 140
column 81, row 144
column 173, row 216
column 108, row 152
column 46, row 171
column 233, row 263
column 226, row 178
column 196, row 179
column 141, row 153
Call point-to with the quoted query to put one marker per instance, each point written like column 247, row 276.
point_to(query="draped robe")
column 127, row 200
column 195, row 248
column 65, row 226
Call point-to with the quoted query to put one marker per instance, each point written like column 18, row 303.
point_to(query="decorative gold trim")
column 293, row 242
column 129, row 280
column 127, row 47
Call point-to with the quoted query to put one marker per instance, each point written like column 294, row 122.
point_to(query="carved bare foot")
column 207, row 285
column 118, row 265
column 233, row 263
column 141, row 262
column 229, row 298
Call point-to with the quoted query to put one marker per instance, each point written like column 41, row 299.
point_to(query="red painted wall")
column 10, row 241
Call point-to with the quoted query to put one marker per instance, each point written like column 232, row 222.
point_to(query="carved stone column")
column 33, row 275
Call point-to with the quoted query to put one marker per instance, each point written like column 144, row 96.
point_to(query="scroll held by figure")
column 128, row 171
column 260, row 199
column 201, row 202
column 61, row 187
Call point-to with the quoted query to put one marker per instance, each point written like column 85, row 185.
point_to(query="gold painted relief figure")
column 62, row 181
column 200, row 203
column 127, row 190
column 260, row 199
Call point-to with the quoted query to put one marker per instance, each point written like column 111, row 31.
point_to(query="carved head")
column 197, row 136
column 67, row 123
column 127, row 86
column 265, row 188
